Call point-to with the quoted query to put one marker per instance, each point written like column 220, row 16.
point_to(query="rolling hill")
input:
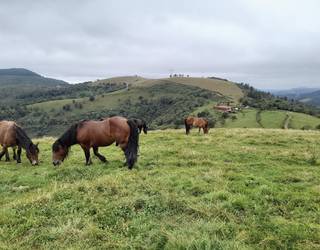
column 163, row 103
column 22, row 77
column 15, row 82
column 222, row 87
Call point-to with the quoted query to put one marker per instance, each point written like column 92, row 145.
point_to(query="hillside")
column 224, row 88
column 231, row 189
column 15, row 82
column 11, row 77
column 163, row 103
column 253, row 118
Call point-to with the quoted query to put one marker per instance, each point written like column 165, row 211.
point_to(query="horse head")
column 33, row 153
column 59, row 153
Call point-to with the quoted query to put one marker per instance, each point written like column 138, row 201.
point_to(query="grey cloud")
column 270, row 44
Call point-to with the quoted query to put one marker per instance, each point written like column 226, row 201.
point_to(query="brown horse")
column 200, row 123
column 11, row 135
column 94, row 134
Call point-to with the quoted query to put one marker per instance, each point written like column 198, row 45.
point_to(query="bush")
column 306, row 127
column 225, row 115
column 234, row 117
column 204, row 114
column 66, row 107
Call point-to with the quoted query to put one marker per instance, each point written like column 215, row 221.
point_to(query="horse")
column 142, row 125
column 12, row 135
column 201, row 123
column 94, row 134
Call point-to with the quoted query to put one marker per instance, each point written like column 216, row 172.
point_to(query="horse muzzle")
column 56, row 163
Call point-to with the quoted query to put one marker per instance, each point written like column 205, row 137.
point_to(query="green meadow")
column 230, row 189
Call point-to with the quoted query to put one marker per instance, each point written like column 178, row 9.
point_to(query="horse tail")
column 131, row 150
column 187, row 126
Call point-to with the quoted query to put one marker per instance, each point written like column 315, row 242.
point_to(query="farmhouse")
column 223, row 108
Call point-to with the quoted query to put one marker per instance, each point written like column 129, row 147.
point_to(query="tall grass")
column 231, row 189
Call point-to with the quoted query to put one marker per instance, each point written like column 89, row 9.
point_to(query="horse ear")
column 37, row 144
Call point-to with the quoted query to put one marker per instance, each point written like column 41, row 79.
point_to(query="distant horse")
column 142, row 125
column 11, row 135
column 200, row 123
column 94, row 134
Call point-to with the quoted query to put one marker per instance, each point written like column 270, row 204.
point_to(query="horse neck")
column 23, row 140
column 69, row 138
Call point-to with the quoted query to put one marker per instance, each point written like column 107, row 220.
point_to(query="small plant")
column 314, row 156
column 306, row 127
column 225, row 115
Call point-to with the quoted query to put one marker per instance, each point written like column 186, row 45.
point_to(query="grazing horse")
column 142, row 125
column 94, row 134
column 11, row 135
column 200, row 123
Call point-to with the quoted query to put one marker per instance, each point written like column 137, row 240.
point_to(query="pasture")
column 230, row 189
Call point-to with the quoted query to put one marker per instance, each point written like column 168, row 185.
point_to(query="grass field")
column 271, row 119
column 231, row 189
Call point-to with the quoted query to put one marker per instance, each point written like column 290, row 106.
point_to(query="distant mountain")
column 293, row 93
column 17, row 81
column 306, row 95
column 19, row 76
column 17, row 72
column 311, row 98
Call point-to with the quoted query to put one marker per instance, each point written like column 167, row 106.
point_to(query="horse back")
column 8, row 133
column 103, row 132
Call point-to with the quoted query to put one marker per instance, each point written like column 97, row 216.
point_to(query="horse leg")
column 188, row 128
column 2, row 152
column 14, row 153
column 87, row 154
column 101, row 157
column 7, row 155
column 19, row 154
column 199, row 130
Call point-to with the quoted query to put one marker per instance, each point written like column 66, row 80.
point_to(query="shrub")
column 306, row 127
column 204, row 114
column 225, row 115
column 234, row 117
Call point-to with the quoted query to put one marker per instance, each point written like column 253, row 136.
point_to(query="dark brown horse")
column 11, row 135
column 200, row 123
column 142, row 125
column 95, row 134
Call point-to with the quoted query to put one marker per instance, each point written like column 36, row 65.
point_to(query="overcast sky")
column 267, row 43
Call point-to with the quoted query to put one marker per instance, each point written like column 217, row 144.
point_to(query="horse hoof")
column 104, row 160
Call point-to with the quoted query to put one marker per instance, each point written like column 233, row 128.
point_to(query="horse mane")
column 22, row 138
column 69, row 138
